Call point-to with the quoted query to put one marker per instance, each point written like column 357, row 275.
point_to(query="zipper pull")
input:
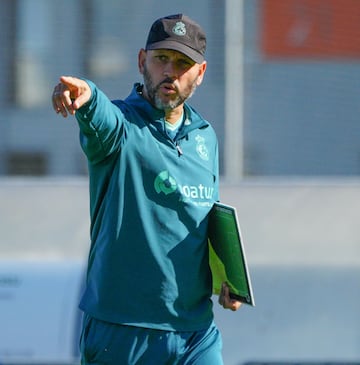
column 180, row 152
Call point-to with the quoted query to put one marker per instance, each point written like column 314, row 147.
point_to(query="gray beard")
column 152, row 93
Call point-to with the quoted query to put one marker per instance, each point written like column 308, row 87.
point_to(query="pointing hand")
column 69, row 95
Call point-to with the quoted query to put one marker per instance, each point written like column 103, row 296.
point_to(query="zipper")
column 177, row 146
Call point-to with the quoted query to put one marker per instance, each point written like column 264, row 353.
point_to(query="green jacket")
column 149, row 200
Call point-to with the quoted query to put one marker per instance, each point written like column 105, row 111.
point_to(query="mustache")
column 167, row 80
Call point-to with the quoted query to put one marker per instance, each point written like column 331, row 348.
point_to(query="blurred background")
column 281, row 91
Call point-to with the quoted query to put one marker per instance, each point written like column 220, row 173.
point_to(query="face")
column 170, row 77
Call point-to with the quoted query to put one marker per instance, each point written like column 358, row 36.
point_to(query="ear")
column 202, row 69
column 141, row 60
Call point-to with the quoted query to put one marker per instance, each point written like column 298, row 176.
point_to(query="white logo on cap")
column 179, row 29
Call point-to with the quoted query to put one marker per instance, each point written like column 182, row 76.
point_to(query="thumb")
column 81, row 100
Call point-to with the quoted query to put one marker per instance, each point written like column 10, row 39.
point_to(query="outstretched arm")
column 69, row 95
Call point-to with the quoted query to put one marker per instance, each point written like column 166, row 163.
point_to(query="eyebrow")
column 172, row 51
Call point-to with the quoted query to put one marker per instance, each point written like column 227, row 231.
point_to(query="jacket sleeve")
column 101, row 126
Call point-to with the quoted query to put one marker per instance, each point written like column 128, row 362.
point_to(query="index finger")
column 71, row 82
column 80, row 91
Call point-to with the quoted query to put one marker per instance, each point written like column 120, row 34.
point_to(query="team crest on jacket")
column 201, row 148
column 179, row 29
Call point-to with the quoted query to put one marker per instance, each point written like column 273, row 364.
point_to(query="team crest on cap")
column 179, row 29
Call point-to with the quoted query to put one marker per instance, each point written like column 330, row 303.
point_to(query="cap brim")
column 176, row 46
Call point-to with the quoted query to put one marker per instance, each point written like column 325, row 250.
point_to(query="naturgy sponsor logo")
column 165, row 183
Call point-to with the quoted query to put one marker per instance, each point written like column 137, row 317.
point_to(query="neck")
column 173, row 115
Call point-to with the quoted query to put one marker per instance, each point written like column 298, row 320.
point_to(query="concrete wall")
column 302, row 246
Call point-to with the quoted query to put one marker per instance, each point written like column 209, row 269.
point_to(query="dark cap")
column 180, row 33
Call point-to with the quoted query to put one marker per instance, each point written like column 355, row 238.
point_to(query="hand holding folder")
column 227, row 255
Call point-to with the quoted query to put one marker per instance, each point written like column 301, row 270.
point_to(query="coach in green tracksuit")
column 153, row 167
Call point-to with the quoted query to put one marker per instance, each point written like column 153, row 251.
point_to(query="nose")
column 170, row 70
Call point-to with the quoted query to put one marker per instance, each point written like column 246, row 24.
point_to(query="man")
column 153, row 168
